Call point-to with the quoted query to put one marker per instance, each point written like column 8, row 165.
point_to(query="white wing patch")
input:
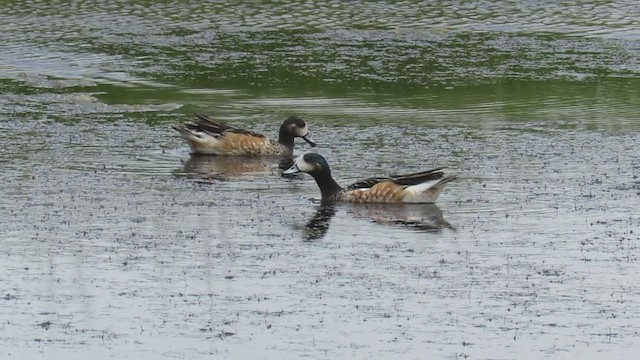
column 201, row 142
column 426, row 192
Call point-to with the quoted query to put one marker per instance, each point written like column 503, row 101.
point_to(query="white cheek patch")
column 303, row 165
column 302, row 131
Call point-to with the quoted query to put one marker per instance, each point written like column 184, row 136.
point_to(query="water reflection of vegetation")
column 474, row 68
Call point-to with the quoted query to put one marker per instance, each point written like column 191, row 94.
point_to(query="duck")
column 419, row 187
column 211, row 137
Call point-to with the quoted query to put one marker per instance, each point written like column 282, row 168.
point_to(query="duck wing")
column 367, row 183
column 419, row 177
column 403, row 180
column 217, row 128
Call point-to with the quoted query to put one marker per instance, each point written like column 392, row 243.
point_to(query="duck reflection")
column 420, row 217
column 317, row 227
column 212, row 167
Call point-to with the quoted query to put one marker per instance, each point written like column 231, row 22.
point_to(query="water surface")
column 118, row 244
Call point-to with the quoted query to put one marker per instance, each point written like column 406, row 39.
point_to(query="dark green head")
column 311, row 163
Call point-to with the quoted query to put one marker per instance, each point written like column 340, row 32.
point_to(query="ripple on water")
column 426, row 41
column 348, row 54
column 537, row 218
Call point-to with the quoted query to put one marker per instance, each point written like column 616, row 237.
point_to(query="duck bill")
column 309, row 139
column 292, row 170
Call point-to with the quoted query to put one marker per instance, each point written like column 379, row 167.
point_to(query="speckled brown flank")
column 237, row 143
column 386, row 192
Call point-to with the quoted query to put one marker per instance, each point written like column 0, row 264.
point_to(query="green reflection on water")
column 480, row 65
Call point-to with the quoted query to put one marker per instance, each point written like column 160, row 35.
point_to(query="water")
column 118, row 244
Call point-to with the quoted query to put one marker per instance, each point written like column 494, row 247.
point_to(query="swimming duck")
column 211, row 137
column 421, row 187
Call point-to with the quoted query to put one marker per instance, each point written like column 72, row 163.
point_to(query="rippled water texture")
column 116, row 243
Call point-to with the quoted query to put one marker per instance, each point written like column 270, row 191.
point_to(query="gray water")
column 116, row 243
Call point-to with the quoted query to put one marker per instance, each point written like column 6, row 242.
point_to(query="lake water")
column 116, row 243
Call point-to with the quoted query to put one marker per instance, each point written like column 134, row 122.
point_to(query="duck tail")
column 204, row 118
column 187, row 131
column 430, row 189
column 206, row 123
